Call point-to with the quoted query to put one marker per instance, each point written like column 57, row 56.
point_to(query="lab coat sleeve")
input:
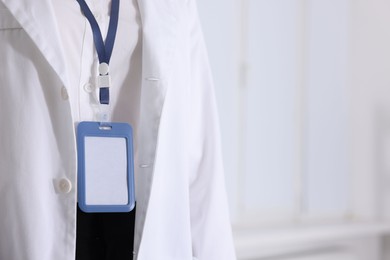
column 210, row 224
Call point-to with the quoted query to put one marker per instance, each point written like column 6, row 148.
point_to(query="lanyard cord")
column 104, row 50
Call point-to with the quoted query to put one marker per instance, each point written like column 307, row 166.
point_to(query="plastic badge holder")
column 105, row 167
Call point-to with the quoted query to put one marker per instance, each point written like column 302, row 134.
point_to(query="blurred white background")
column 303, row 89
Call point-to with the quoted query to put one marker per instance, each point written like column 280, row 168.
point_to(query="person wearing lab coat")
column 182, row 210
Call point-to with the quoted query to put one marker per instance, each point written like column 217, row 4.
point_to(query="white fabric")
column 182, row 210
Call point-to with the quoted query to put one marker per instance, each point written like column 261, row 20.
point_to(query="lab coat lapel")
column 37, row 19
column 159, row 37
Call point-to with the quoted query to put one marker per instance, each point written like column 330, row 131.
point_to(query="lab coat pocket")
column 7, row 20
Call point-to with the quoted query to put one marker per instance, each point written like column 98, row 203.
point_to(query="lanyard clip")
column 104, row 79
column 104, row 82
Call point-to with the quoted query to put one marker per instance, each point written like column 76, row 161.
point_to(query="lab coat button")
column 64, row 93
column 88, row 87
column 64, row 185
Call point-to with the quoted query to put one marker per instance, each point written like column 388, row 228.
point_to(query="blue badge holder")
column 105, row 167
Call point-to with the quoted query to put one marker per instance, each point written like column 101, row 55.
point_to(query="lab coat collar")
column 37, row 19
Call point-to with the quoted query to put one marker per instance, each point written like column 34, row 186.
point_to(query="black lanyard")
column 104, row 50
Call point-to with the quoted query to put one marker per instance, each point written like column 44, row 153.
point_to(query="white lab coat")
column 181, row 204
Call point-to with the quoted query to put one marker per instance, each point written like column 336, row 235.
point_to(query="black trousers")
column 105, row 236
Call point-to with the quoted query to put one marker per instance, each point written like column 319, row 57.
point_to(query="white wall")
column 306, row 85
column 369, row 87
